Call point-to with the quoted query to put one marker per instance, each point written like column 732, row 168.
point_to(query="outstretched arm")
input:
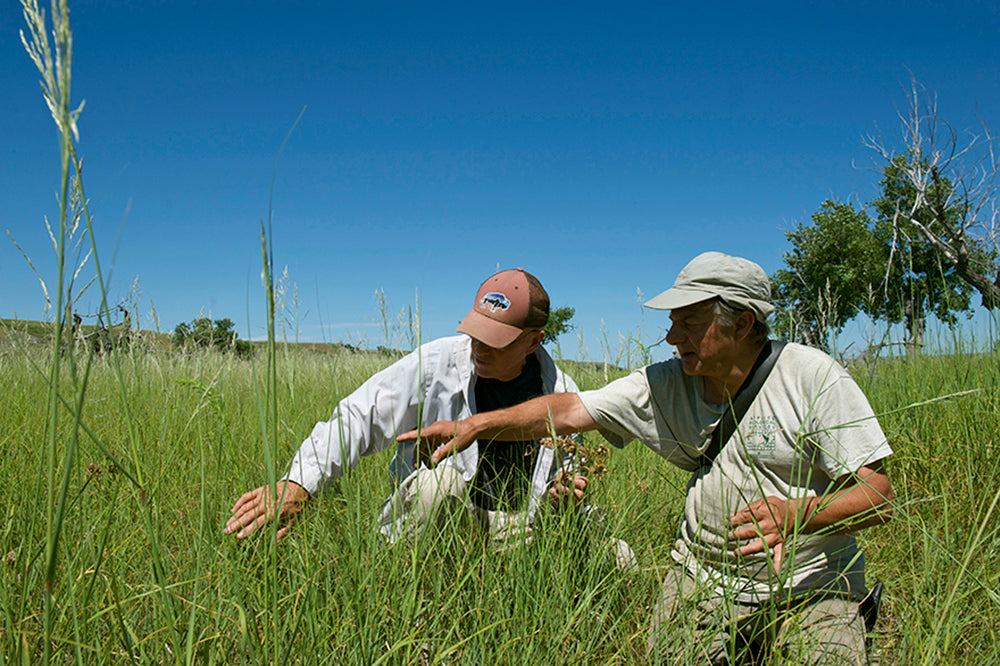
column 536, row 418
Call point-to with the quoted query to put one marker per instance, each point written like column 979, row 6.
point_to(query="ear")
column 744, row 324
column 537, row 339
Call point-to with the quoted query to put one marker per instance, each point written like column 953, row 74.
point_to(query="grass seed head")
column 590, row 460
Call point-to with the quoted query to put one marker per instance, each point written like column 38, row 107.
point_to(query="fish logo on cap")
column 496, row 301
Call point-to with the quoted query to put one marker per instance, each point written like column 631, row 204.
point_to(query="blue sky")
column 598, row 145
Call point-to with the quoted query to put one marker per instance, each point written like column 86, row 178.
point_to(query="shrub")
column 218, row 334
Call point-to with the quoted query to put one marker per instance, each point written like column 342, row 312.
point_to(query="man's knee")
column 687, row 623
column 830, row 631
column 435, row 486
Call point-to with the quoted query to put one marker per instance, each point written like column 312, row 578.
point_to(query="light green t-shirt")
column 809, row 425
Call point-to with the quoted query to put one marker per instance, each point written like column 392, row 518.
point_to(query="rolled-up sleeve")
column 623, row 409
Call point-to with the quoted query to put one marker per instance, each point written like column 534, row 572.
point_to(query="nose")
column 674, row 335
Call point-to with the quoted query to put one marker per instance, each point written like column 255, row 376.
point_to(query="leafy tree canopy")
column 845, row 262
column 940, row 197
column 832, row 271
column 920, row 281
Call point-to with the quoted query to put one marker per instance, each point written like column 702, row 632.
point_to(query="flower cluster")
column 590, row 461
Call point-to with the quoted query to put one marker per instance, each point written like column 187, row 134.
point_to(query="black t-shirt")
column 504, row 475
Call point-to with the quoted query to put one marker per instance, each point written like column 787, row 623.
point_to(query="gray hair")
column 728, row 314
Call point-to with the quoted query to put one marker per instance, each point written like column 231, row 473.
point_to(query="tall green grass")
column 332, row 592
column 120, row 472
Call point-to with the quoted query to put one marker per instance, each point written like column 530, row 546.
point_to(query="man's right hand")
column 439, row 440
column 257, row 508
column 567, row 489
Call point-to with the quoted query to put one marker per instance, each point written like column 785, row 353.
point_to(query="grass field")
column 144, row 574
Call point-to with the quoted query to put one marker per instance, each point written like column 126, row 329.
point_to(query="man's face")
column 705, row 346
column 505, row 364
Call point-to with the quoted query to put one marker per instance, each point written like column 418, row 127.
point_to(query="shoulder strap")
column 741, row 402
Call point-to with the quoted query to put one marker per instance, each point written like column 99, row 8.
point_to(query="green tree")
column 558, row 322
column 208, row 334
column 950, row 187
column 833, row 269
column 920, row 281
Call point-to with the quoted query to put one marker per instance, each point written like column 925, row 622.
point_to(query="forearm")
column 861, row 499
column 562, row 412
column 322, row 457
column 866, row 501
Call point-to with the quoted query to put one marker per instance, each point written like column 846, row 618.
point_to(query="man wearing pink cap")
column 497, row 362
column 786, row 457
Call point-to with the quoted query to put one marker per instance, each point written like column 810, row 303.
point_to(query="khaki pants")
column 693, row 625
column 435, row 497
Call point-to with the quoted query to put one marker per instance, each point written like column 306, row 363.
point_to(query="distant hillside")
column 14, row 332
column 26, row 331
column 29, row 332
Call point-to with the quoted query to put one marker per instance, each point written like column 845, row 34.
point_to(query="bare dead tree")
column 955, row 177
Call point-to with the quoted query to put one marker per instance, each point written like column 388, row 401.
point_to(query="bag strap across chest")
column 743, row 398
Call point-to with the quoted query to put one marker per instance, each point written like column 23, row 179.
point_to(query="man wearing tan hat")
column 786, row 460
column 496, row 363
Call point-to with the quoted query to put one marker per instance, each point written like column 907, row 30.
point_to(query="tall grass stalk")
column 269, row 415
column 54, row 62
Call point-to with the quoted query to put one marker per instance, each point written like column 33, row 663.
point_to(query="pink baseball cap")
column 506, row 305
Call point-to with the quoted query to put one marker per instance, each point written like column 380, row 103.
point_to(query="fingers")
column 753, row 530
column 762, row 529
column 246, row 522
column 741, row 517
column 559, row 497
column 436, row 432
column 578, row 488
column 429, row 456
column 245, row 511
column 428, row 437
column 252, row 527
column 442, row 452
column 756, row 526
column 247, row 498
column 758, row 543
column 562, row 493
column 251, row 511
column 256, row 508
column 754, row 512
column 773, row 545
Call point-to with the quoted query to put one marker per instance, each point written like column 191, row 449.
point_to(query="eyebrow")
column 686, row 316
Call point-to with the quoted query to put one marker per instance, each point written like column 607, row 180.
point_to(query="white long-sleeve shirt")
column 434, row 383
